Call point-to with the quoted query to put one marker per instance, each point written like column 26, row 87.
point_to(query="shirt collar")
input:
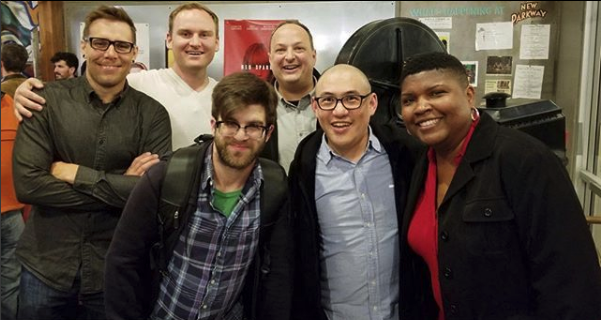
column 461, row 153
column 91, row 94
column 303, row 103
column 326, row 154
column 14, row 76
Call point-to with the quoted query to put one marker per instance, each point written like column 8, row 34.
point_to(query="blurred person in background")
column 65, row 65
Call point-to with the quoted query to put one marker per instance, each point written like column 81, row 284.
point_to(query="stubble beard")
column 237, row 161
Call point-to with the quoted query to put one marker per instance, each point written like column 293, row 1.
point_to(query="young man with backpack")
column 213, row 219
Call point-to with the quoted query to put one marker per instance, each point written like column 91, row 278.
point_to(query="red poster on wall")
column 247, row 46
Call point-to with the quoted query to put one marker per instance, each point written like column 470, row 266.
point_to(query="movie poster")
column 247, row 46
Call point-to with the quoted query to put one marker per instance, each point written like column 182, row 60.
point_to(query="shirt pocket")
column 489, row 227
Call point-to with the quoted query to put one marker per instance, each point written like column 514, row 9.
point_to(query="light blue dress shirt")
column 359, row 232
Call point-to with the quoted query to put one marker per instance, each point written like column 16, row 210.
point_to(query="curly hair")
column 69, row 58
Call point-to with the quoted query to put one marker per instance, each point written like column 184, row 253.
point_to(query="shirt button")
column 204, row 306
column 212, row 281
column 453, row 309
column 444, row 236
column 101, row 142
column 487, row 212
column 448, row 273
column 375, row 308
column 219, row 254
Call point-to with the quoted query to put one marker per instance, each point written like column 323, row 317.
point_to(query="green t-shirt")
column 226, row 201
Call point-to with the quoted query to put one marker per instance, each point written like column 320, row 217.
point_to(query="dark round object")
column 379, row 49
column 496, row 99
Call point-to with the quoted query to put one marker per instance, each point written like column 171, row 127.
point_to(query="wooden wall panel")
column 52, row 35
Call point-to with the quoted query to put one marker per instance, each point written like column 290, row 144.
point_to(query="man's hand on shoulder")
column 26, row 99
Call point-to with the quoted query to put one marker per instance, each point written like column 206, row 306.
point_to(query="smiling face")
column 292, row 57
column 193, row 40
column 345, row 130
column 436, row 108
column 106, row 70
column 240, row 151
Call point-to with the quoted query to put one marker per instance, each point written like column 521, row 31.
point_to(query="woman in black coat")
column 492, row 212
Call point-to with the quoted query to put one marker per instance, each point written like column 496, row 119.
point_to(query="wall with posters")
column 507, row 46
column 331, row 23
column 551, row 29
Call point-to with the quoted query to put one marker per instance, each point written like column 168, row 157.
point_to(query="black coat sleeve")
column 277, row 284
column 563, row 267
column 128, row 277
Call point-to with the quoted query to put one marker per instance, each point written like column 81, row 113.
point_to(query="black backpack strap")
column 182, row 170
column 181, row 174
column 274, row 187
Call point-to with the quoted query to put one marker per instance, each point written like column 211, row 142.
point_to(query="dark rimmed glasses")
column 349, row 102
column 230, row 129
column 104, row 44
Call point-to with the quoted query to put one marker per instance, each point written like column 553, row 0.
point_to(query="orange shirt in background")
column 9, row 133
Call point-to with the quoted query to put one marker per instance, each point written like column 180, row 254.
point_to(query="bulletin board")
column 508, row 46
column 331, row 23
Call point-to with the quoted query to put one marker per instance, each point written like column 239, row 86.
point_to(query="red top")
column 423, row 229
column 9, row 132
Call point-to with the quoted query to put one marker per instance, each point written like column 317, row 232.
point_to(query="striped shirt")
column 213, row 254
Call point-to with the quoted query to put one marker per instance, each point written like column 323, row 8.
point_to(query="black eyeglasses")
column 349, row 102
column 104, row 44
column 230, row 128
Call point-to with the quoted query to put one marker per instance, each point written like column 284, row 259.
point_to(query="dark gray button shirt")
column 72, row 225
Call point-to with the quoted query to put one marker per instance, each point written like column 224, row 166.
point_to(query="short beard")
column 231, row 161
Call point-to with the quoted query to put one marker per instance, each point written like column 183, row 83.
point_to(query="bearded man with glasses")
column 76, row 162
column 232, row 252
column 348, row 185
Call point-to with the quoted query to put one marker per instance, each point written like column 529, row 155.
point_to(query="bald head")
column 343, row 105
column 343, row 75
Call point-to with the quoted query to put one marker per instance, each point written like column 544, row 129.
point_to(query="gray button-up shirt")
column 71, row 226
column 294, row 124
